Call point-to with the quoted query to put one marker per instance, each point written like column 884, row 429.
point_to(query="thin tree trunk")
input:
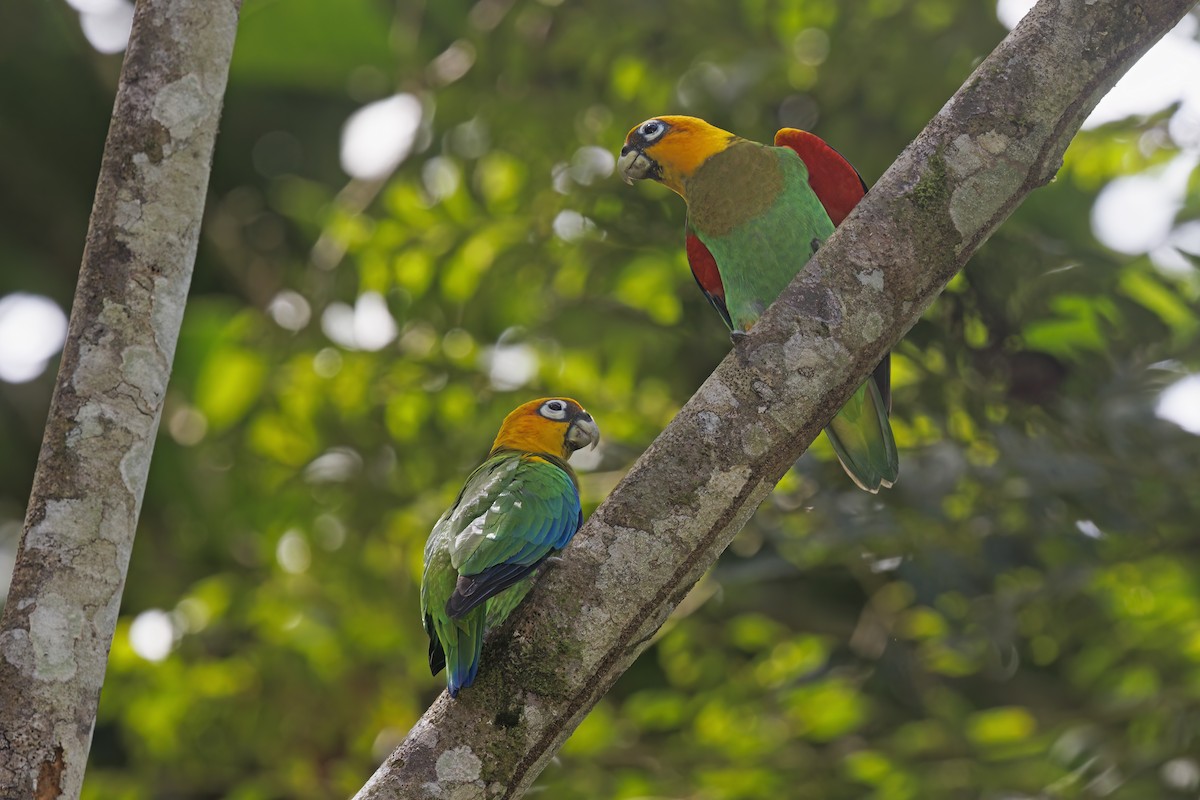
column 62, row 607
column 1001, row 136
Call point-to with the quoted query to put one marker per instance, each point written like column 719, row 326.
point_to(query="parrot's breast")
column 732, row 187
column 759, row 240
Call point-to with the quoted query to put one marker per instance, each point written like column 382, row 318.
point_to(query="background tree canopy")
column 1020, row 616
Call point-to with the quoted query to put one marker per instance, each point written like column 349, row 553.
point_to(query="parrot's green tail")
column 862, row 438
column 462, row 639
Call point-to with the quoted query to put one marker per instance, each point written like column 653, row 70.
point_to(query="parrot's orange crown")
column 555, row 425
column 670, row 149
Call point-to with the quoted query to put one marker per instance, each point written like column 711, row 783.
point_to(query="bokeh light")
column 151, row 635
column 1136, row 214
column 106, row 23
column 368, row 325
column 32, row 330
column 379, row 136
column 1180, row 403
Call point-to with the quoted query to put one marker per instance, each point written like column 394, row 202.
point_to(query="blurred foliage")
column 1019, row 617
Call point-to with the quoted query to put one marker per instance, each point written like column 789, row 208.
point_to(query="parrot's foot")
column 741, row 344
column 548, row 560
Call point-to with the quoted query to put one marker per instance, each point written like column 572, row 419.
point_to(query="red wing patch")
column 837, row 184
column 708, row 278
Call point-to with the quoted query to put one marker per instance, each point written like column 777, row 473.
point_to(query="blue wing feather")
column 533, row 515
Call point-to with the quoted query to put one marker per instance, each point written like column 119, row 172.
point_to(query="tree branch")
column 87, row 492
column 1001, row 136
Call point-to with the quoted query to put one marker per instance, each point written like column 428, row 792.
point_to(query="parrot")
column 755, row 214
column 516, row 510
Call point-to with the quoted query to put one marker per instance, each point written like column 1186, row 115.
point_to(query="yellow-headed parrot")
column 520, row 506
column 756, row 214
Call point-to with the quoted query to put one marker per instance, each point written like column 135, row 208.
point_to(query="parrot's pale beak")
column 583, row 432
column 634, row 165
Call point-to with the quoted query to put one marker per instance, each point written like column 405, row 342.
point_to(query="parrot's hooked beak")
column 582, row 432
column 635, row 165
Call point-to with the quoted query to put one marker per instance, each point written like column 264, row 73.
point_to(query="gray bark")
column 137, row 264
column 1001, row 136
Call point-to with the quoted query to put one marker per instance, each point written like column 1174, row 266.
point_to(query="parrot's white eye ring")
column 553, row 409
column 652, row 130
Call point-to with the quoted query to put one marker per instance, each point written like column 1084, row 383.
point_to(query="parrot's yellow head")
column 555, row 425
column 669, row 150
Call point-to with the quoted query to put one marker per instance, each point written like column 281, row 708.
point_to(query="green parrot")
column 755, row 214
column 519, row 507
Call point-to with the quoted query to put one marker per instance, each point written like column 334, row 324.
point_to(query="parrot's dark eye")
column 652, row 130
column 554, row 409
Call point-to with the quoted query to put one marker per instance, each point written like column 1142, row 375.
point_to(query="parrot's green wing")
column 509, row 527
column 514, row 511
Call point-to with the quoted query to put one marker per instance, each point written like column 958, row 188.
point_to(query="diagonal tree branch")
column 1001, row 136
column 87, row 492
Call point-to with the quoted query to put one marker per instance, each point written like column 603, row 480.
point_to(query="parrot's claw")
column 741, row 345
